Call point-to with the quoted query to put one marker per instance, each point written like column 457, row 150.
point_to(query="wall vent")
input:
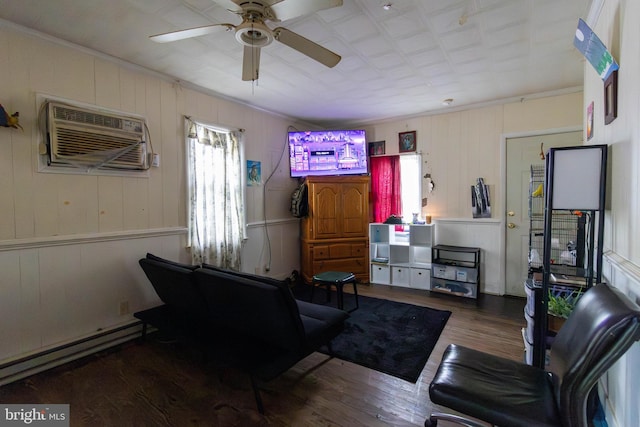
column 88, row 138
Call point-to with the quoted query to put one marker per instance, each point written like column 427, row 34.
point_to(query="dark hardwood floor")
column 167, row 384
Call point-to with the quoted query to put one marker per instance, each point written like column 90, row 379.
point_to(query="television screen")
column 327, row 152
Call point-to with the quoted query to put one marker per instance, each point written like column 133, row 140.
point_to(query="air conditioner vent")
column 72, row 142
column 81, row 137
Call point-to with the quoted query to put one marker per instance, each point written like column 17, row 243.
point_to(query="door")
column 522, row 152
column 326, row 210
column 355, row 201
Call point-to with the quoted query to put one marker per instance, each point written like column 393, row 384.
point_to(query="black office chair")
column 503, row 392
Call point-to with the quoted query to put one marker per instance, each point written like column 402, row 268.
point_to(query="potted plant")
column 560, row 305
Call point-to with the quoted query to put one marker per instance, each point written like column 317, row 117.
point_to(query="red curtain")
column 385, row 187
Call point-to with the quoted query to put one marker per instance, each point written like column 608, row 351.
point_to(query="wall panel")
column 107, row 85
column 10, row 304
column 135, row 201
column 172, row 153
column 478, row 234
column 70, row 244
column 153, row 113
column 111, row 203
column 618, row 30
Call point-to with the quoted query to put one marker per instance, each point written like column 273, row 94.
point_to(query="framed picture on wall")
column 611, row 98
column 407, row 141
column 254, row 174
column 590, row 121
column 376, row 148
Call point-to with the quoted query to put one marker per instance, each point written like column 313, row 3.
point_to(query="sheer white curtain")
column 216, row 213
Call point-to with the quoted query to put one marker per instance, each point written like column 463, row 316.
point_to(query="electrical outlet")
column 124, row 308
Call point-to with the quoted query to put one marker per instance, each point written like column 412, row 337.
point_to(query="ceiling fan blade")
column 191, row 32
column 229, row 5
column 250, row 63
column 306, row 47
column 288, row 9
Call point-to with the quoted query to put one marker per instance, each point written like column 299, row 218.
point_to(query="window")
column 410, row 179
column 217, row 225
column 396, row 186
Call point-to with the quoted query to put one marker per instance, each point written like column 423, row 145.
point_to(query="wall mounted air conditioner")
column 86, row 138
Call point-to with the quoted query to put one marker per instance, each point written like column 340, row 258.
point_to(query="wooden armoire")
column 335, row 233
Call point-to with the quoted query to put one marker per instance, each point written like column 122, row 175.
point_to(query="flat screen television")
column 327, row 152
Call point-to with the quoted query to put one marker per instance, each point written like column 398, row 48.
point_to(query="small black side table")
column 337, row 279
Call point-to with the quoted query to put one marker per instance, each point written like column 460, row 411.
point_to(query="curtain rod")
column 212, row 127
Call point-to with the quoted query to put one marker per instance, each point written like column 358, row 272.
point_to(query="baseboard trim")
column 41, row 361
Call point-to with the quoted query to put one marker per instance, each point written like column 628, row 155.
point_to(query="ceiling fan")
column 254, row 34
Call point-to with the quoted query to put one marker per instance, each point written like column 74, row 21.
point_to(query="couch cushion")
column 321, row 323
column 252, row 308
column 283, row 285
column 174, row 263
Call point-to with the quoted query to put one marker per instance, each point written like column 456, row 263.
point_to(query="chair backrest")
column 602, row 327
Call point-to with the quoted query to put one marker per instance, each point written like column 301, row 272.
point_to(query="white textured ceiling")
column 398, row 62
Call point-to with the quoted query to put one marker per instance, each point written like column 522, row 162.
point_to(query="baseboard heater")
column 50, row 358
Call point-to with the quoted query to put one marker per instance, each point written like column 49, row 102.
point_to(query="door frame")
column 503, row 179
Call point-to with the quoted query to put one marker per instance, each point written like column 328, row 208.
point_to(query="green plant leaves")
column 561, row 304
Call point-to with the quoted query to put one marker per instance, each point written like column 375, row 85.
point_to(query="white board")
column 576, row 178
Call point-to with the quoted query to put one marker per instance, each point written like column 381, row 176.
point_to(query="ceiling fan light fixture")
column 254, row 34
column 387, row 6
column 447, row 101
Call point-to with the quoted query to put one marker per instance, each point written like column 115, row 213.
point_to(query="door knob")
column 511, row 213
column 511, row 225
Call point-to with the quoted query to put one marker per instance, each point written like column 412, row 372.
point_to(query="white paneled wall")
column 459, row 147
column 623, row 397
column 618, row 30
column 56, row 290
column 69, row 244
column 477, row 233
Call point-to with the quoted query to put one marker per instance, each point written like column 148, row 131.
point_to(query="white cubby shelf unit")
column 400, row 254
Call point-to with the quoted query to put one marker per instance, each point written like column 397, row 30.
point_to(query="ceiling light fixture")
column 447, row 101
column 387, row 6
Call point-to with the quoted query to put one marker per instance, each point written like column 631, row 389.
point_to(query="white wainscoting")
column 620, row 387
column 478, row 233
column 64, row 297
column 60, row 290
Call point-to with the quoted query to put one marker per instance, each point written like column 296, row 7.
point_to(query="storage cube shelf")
column 420, row 256
column 455, row 270
column 400, row 254
column 380, row 274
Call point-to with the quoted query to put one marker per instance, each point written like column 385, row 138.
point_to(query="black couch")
column 251, row 322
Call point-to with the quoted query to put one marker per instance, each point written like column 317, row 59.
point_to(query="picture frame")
column 376, row 148
column 407, row 141
column 611, row 97
column 590, row 121
column 254, row 173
